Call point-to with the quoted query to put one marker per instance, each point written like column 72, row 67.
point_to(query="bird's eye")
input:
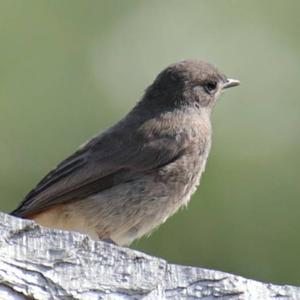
column 210, row 86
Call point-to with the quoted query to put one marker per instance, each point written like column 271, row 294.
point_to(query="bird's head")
column 189, row 82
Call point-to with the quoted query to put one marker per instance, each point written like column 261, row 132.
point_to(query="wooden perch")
column 40, row 263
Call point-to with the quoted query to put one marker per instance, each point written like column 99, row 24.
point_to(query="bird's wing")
column 105, row 161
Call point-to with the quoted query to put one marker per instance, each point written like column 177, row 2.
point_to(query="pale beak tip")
column 231, row 83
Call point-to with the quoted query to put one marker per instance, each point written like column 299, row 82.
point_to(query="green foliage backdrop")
column 72, row 68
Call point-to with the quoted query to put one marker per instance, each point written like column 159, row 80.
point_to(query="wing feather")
column 105, row 161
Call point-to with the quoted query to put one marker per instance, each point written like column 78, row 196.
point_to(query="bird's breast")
column 182, row 176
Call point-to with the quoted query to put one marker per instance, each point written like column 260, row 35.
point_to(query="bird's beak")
column 230, row 83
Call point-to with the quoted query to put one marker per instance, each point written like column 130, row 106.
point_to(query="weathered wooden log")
column 40, row 263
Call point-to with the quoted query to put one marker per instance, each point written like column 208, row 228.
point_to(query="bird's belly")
column 129, row 210
column 163, row 198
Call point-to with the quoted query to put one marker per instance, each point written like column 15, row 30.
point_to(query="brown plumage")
column 129, row 179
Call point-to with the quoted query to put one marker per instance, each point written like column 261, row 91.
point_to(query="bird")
column 126, row 181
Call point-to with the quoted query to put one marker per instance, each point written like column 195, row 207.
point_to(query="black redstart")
column 129, row 179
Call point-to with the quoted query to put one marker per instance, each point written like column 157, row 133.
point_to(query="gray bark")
column 40, row 263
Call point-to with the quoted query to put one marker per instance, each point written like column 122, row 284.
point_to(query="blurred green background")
column 72, row 68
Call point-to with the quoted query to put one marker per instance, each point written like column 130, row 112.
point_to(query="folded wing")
column 105, row 161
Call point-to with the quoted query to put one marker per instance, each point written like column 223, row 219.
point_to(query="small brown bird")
column 126, row 181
